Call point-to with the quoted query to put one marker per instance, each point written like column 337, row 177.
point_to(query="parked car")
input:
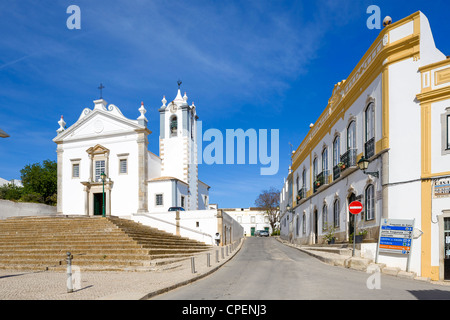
column 263, row 233
column 176, row 209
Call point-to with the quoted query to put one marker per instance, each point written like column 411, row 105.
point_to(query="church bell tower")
column 178, row 144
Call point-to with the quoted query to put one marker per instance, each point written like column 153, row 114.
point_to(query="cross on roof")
column 101, row 87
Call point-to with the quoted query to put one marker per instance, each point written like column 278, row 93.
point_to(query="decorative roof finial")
column 179, row 83
column 62, row 125
column 142, row 120
column 164, row 101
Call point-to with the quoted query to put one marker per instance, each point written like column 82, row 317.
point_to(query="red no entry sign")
column 355, row 207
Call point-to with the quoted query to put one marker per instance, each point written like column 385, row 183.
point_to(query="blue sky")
column 245, row 64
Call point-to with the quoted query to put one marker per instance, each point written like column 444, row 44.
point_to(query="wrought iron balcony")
column 336, row 172
column 369, row 148
column 348, row 159
column 321, row 179
column 301, row 194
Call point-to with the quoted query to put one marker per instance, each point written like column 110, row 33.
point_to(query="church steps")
column 95, row 243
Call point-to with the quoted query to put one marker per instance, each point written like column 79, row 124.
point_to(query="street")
column 265, row 269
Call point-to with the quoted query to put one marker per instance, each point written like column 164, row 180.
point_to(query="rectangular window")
column 75, row 170
column 123, row 166
column 99, row 169
column 182, row 201
column 370, row 203
column 159, row 199
column 252, row 219
column 448, row 132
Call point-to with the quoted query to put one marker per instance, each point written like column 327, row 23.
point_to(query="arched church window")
column 173, row 126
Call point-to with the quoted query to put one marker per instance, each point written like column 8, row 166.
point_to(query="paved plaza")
column 100, row 285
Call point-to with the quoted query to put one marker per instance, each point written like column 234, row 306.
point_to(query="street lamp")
column 103, row 177
column 363, row 164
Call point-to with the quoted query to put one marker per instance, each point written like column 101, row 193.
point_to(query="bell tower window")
column 173, row 126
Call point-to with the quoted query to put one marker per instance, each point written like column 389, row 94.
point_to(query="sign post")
column 396, row 238
column 355, row 208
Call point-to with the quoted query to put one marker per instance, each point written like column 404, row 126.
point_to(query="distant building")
column 251, row 219
column 15, row 182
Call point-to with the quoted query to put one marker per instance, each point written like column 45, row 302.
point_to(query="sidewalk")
column 99, row 285
column 343, row 258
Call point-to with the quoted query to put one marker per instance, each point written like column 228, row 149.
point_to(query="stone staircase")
column 96, row 243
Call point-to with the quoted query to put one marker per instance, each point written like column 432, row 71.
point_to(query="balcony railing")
column 301, row 194
column 369, row 148
column 336, row 172
column 348, row 159
column 321, row 179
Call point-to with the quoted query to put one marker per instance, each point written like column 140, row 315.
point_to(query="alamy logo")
column 374, row 281
column 236, row 147
column 374, row 21
column 74, row 20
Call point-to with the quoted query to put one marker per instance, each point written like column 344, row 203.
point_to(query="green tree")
column 40, row 181
column 269, row 201
column 11, row 192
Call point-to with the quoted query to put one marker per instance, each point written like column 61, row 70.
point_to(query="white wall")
column 200, row 225
column 125, row 185
column 15, row 209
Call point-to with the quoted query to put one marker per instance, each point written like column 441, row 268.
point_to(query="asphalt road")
column 265, row 269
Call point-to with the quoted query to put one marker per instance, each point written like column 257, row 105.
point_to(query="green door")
column 252, row 231
column 98, row 204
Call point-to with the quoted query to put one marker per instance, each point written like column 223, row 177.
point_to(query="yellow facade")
column 427, row 97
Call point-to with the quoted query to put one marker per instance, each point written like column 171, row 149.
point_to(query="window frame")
column 369, row 203
column 97, row 178
column 336, row 213
column 351, row 125
column 156, row 199
column 336, row 150
column 324, row 217
column 76, row 162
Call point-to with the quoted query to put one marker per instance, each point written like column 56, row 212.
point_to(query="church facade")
column 105, row 167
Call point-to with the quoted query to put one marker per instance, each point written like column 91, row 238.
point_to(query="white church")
column 104, row 150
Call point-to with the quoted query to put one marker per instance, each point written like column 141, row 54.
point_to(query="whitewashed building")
column 394, row 110
column 251, row 219
column 103, row 140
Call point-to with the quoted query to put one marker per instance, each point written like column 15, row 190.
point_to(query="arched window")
column 336, row 213
column 370, row 202
column 369, row 131
column 336, row 157
column 324, row 217
column 351, row 136
column 315, row 169
column 336, row 151
column 304, row 180
column 173, row 126
column 350, row 156
column 325, row 164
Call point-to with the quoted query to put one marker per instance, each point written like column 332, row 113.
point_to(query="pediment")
column 98, row 123
column 97, row 149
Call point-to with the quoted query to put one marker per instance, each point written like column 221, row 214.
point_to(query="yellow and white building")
column 393, row 109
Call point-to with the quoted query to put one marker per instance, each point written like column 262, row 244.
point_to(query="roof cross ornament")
column 101, row 87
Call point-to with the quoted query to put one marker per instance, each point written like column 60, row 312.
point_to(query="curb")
column 357, row 263
column 141, row 296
